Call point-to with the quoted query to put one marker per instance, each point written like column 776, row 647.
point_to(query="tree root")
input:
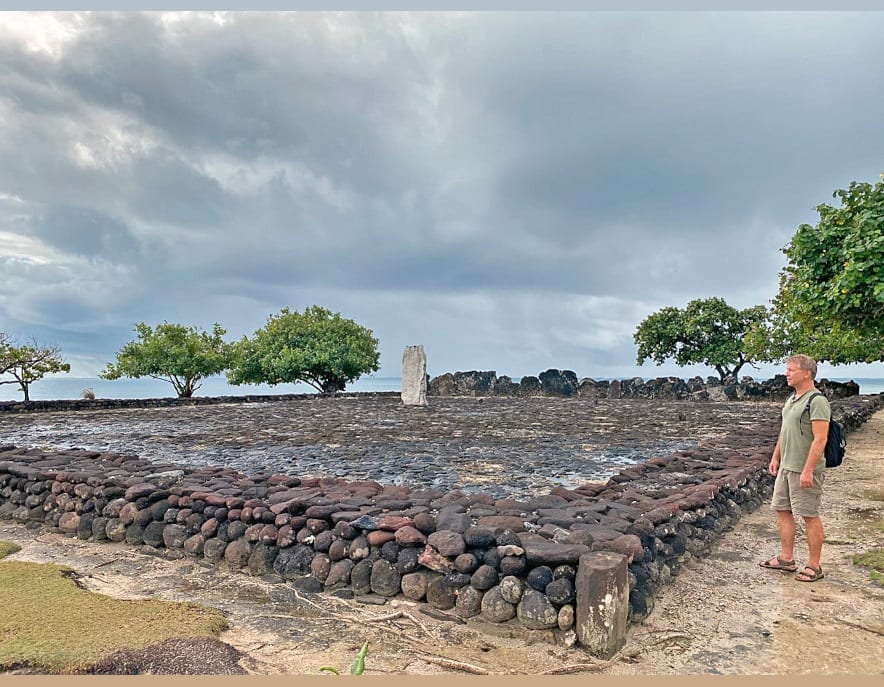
column 428, row 657
column 859, row 626
column 625, row 654
column 622, row 655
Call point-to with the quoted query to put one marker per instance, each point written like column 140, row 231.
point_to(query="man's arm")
column 774, row 466
column 820, row 435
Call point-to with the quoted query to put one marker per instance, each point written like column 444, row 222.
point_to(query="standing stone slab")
column 602, row 587
column 414, row 376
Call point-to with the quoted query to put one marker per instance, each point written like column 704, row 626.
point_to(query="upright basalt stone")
column 558, row 382
column 471, row 383
column 530, row 386
column 414, row 376
column 602, row 587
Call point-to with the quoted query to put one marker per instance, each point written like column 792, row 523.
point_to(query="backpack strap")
column 807, row 408
column 810, row 400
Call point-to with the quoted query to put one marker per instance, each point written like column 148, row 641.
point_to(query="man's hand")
column 774, row 466
column 806, row 480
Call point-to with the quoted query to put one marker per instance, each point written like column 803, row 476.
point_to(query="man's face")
column 795, row 375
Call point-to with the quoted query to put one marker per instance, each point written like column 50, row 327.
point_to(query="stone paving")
column 503, row 447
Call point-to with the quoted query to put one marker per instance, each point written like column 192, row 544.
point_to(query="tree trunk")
column 332, row 386
column 24, row 387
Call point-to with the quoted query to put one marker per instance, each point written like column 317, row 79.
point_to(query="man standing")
column 799, row 469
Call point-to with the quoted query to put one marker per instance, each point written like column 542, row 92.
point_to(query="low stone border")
column 118, row 403
column 576, row 563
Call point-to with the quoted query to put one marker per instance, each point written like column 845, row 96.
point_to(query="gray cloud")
column 512, row 187
column 81, row 231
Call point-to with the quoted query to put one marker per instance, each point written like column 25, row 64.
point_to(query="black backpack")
column 836, row 443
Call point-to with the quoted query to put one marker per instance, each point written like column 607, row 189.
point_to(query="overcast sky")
column 513, row 191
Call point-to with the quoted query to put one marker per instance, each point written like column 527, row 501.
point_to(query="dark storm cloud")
column 274, row 85
column 84, row 232
column 542, row 181
column 674, row 120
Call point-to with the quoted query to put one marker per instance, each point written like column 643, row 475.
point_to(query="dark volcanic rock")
column 262, row 559
column 448, row 543
column 539, row 577
column 360, row 577
column 536, row 612
column 561, row 591
column 440, row 595
column 385, row 578
column 484, row 578
column 495, row 608
column 237, row 553
column 468, row 602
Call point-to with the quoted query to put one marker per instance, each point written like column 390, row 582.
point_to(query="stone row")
column 171, row 402
column 564, row 383
column 472, row 555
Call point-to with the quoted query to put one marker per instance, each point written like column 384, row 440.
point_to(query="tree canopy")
column 317, row 346
column 174, row 353
column 707, row 331
column 831, row 299
column 28, row 363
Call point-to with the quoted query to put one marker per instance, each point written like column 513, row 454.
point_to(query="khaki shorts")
column 789, row 495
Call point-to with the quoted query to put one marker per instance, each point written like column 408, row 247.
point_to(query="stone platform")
column 525, row 540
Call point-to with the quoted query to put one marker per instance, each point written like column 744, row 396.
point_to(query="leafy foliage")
column 356, row 668
column 707, row 331
column 28, row 363
column 182, row 356
column 831, row 299
column 873, row 559
column 317, row 347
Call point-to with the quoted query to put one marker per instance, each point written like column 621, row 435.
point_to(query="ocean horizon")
column 59, row 388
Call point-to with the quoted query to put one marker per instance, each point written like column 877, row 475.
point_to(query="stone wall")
column 564, row 383
column 530, row 561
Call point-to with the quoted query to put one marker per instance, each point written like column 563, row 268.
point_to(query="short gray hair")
column 805, row 362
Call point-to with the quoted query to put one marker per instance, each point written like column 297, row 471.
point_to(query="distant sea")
column 64, row 387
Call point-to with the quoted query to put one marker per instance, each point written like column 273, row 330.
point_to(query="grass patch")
column 50, row 624
column 7, row 548
column 874, row 560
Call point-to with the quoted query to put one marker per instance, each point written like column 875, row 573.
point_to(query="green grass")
column 51, row 625
column 7, row 548
column 874, row 560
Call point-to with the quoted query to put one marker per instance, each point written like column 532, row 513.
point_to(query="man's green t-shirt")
column 796, row 433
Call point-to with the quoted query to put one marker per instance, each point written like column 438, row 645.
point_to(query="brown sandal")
column 781, row 564
column 804, row 577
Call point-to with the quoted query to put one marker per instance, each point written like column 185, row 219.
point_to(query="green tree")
column 317, row 347
column 28, row 363
column 707, row 331
column 831, row 299
column 182, row 356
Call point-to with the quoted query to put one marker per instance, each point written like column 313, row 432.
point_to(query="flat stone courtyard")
column 503, row 447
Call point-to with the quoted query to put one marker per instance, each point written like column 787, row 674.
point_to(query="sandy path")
column 740, row 619
column 723, row 614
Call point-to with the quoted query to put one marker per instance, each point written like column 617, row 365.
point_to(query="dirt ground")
column 721, row 615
